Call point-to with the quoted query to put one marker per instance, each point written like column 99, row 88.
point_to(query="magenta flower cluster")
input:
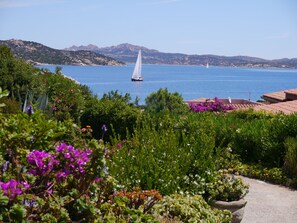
column 73, row 160
column 67, row 161
column 210, row 105
column 12, row 188
column 42, row 163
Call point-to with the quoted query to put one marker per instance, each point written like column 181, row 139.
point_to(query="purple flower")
column 5, row 166
column 13, row 188
column 30, row 203
column 210, row 105
column 29, row 110
column 73, row 160
column 42, row 163
column 104, row 128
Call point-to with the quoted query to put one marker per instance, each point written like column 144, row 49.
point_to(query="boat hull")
column 133, row 79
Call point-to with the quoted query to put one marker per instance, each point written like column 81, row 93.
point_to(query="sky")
column 258, row 28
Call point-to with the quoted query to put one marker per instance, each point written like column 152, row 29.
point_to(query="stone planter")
column 235, row 207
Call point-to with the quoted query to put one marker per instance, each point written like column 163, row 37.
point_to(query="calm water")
column 190, row 81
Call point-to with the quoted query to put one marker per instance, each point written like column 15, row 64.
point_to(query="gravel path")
column 268, row 203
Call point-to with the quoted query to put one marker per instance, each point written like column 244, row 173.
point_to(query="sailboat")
column 136, row 76
column 207, row 65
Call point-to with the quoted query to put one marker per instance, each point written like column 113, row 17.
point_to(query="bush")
column 114, row 114
column 210, row 106
column 11, row 106
column 53, row 186
column 226, row 188
column 165, row 153
column 152, row 158
column 163, row 100
column 255, row 137
column 290, row 163
column 189, row 209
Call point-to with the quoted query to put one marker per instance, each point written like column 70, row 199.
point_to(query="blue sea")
column 190, row 81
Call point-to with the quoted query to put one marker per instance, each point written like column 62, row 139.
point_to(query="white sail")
column 137, row 70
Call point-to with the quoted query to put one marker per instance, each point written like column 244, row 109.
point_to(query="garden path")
column 269, row 203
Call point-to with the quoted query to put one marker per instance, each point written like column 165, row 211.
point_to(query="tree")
column 4, row 93
column 163, row 100
column 111, row 113
column 115, row 95
column 15, row 75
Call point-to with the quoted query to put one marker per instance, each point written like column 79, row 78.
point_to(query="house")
column 276, row 102
column 280, row 102
column 281, row 96
column 287, row 107
column 234, row 103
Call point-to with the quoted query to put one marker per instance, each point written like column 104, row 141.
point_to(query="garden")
column 67, row 155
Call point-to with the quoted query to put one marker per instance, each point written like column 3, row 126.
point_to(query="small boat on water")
column 136, row 76
column 207, row 65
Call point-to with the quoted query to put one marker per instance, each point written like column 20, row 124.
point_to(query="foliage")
column 12, row 106
column 115, row 114
column 150, row 159
column 115, row 95
column 4, row 93
column 118, row 211
column 210, row 105
column 226, row 187
column 280, row 128
column 55, row 187
column 59, row 96
column 22, row 133
column 290, row 160
column 138, row 199
column 163, row 100
column 256, row 137
column 54, row 93
column 15, row 75
column 165, row 154
column 189, row 209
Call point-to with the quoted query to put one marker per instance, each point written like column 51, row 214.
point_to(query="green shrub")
column 273, row 175
column 290, row 163
column 114, row 114
column 166, row 153
column 226, row 187
column 257, row 137
column 11, row 106
column 280, row 128
column 163, row 100
column 152, row 158
column 189, row 209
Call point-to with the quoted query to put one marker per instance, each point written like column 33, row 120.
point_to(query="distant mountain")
column 128, row 53
column 37, row 53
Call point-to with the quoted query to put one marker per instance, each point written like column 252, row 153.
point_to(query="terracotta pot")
column 235, row 207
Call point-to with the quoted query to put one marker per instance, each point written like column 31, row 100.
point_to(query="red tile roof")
column 280, row 96
column 288, row 107
column 236, row 103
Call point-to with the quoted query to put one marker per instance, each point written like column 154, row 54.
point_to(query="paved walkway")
column 268, row 203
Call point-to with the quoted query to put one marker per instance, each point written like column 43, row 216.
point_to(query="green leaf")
column 18, row 213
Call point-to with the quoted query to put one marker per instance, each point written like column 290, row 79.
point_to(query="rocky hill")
column 37, row 53
column 128, row 53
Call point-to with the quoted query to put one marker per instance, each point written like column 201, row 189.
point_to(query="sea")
column 191, row 82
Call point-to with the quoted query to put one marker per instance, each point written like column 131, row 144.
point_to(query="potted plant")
column 227, row 192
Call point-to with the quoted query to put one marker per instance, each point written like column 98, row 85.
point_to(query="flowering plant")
column 41, row 163
column 12, row 188
column 227, row 188
column 68, row 161
column 215, row 105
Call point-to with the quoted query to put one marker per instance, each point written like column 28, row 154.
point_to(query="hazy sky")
column 260, row 28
